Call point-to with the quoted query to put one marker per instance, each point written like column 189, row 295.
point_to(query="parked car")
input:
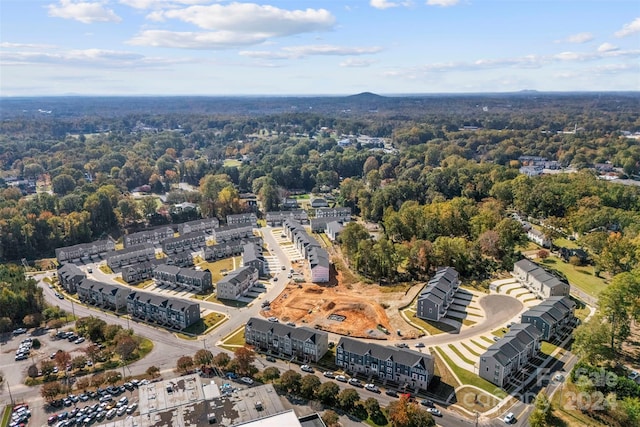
column 355, row 382
column 79, row 340
column 391, row 393
column 427, row 402
column 328, row 374
column 307, row 368
column 341, row 378
column 273, row 319
column 19, row 331
column 371, row 388
column 246, row 380
column 131, row 408
column 271, row 359
column 420, row 345
column 402, row 345
column 231, row 375
column 510, row 418
column 434, row 412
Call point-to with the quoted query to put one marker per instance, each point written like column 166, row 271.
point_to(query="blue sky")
column 306, row 47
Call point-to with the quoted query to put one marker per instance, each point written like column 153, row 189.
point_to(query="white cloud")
column 630, row 28
column 383, row 4
column 443, row 3
column 253, row 18
column 160, row 4
column 9, row 45
column 89, row 58
column 578, row 38
column 196, row 40
column 296, row 52
column 356, row 63
column 85, row 12
column 607, row 47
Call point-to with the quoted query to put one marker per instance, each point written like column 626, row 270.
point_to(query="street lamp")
column 9, row 390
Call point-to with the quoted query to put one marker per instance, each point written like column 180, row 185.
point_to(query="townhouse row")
column 437, row 295
column 169, row 312
column 538, row 280
column 317, row 257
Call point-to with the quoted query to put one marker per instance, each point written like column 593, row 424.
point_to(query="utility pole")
column 9, row 390
column 477, row 416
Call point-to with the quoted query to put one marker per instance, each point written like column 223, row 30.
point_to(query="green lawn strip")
column 515, row 289
column 500, row 332
column 566, row 243
column 430, row 327
column 217, row 268
column 530, row 299
column 487, row 339
column 477, row 344
column 228, row 302
column 372, row 423
column 470, row 350
column 473, row 400
column 467, row 322
column 6, row 416
column 460, row 355
column 582, row 277
column 235, row 338
column 105, row 269
column 470, row 378
column 547, row 348
column 207, row 323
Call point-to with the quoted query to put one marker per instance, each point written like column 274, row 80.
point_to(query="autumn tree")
column 221, row 360
column 78, row 362
column 49, row 391
column 153, row 371
column 331, row 418
column 244, row 358
column 403, row 413
column 112, row 377
column 62, row 359
column 125, row 346
column 98, row 379
column 46, row 366
column 203, row 357
column 270, row 374
column 184, row 364
column 32, row 371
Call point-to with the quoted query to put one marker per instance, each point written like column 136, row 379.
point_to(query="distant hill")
column 365, row 96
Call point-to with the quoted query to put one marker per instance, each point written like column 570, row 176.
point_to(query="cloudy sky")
column 305, row 47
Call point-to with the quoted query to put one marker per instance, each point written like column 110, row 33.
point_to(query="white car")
column 328, row 374
column 633, row 375
column 341, row 378
column 246, row 380
column 307, row 368
column 510, row 418
column 273, row 319
column 372, row 388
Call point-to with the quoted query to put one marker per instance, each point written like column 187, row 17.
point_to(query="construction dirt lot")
column 346, row 308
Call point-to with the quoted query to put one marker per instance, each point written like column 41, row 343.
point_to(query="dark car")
column 271, row 359
column 231, row 375
column 427, row 402
column 391, row 393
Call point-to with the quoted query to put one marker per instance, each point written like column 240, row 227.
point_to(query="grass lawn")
column 218, row 267
column 470, row 350
column 146, row 345
column 465, row 322
column 430, row 327
column 500, row 332
column 530, row 299
column 460, row 355
column 487, row 339
column 232, row 163
column 105, row 269
column 582, row 277
column 474, row 400
column 398, row 287
column 470, row 378
column 562, row 402
column 569, row 244
column 234, row 340
column 477, row 344
column 6, row 416
column 210, row 321
column 582, row 311
column 547, row 348
column 530, row 246
column 228, row 302
column 348, row 278
column 300, row 197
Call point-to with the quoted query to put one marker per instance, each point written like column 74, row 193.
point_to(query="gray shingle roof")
column 280, row 329
column 402, row 356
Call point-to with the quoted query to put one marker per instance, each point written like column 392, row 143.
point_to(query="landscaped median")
column 234, row 340
column 203, row 326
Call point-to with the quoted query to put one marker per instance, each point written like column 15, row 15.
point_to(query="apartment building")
column 105, row 295
column 85, row 251
column 198, row 281
column 233, row 232
column 136, row 273
column 148, row 236
column 243, row 218
column 437, row 295
column 252, row 256
column 554, row 317
column 236, row 284
column 317, row 257
column 507, row 357
column 400, row 365
column 70, row 277
column 276, row 218
column 303, row 344
column 189, row 242
column 538, row 280
column 173, row 313
column 206, row 225
column 341, row 214
column 131, row 255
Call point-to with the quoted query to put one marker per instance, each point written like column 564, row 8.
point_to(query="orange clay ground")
column 310, row 304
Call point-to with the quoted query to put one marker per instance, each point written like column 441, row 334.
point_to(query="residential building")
column 580, row 255
column 181, row 259
column 333, row 230
column 194, row 280
column 399, row 365
column 319, row 225
column 131, row 255
column 540, row 282
column 318, row 258
column 233, row 232
column 252, row 256
column 243, row 218
column 554, row 317
column 138, row 272
column 276, row 218
column 188, row 242
column 236, row 284
column 303, row 344
column 340, row 214
column 170, row 312
column 319, row 202
column 85, row 251
column 507, row 357
column 538, row 237
column 206, row 225
column 224, row 250
column 148, row 236
column 70, row 277
column 289, row 203
column 105, row 295
column 436, row 297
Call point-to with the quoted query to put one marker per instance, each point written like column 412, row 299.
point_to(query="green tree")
column 619, row 304
column 327, row 393
column 591, row 340
column 184, row 364
column 153, row 371
column 541, row 415
column 63, row 184
column 330, row 418
column 347, row 398
column 203, row 357
column 270, row 374
column 308, row 386
column 290, row 381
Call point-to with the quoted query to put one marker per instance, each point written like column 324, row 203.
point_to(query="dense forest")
column 440, row 176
